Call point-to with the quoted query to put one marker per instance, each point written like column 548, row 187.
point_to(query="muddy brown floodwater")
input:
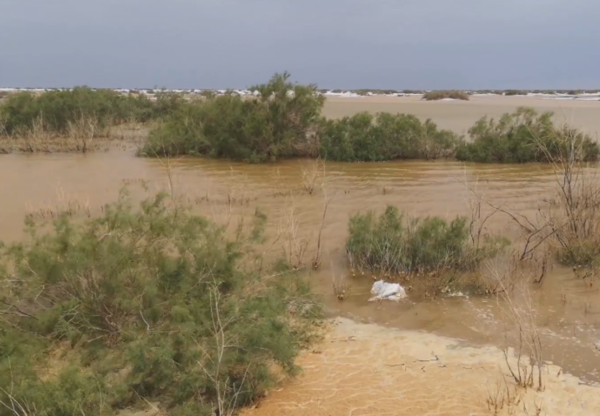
column 568, row 310
column 379, row 361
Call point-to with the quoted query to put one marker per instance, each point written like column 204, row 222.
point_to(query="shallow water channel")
column 568, row 310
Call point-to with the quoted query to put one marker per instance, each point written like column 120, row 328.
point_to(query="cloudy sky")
column 335, row 43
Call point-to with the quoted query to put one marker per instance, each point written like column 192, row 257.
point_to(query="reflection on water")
column 569, row 311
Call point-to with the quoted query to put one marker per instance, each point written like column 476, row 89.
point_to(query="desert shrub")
column 276, row 123
column 569, row 219
column 182, row 133
column 61, row 107
column 70, row 392
column 519, row 138
column 165, row 105
column 514, row 92
column 149, row 304
column 384, row 136
column 445, row 94
column 393, row 244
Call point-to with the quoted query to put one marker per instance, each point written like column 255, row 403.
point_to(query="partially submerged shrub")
column 276, row 123
column 149, row 303
column 384, row 136
column 519, row 137
column 446, row 94
column 59, row 108
column 395, row 245
column 570, row 218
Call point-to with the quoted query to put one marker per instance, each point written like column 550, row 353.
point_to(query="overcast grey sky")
column 334, row 43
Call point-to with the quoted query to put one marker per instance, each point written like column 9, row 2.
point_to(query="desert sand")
column 369, row 370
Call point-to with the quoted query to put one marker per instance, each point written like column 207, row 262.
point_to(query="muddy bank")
column 366, row 369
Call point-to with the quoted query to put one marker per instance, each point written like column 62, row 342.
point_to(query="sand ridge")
column 368, row 370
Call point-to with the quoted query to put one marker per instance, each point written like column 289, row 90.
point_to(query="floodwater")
column 460, row 115
column 345, row 377
column 568, row 309
column 369, row 370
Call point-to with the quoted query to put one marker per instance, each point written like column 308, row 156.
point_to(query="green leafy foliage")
column 392, row 244
column 19, row 111
column 445, row 94
column 384, row 136
column 145, row 303
column 275, row 123
column 514, row 92
column 524, row 136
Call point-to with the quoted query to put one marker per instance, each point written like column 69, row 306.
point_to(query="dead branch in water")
column 317, row 260
column 312, row 177
column 339, row 283
column 569, row 221
column 518, row 307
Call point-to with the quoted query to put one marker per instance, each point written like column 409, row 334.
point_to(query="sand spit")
column 370, row 370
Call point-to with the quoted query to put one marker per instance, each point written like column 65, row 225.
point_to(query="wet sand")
column 369, row 370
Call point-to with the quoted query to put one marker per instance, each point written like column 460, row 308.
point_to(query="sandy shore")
column 365, row 369
column 460, row 115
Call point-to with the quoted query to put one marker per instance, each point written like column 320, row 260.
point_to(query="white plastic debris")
column 389, row 291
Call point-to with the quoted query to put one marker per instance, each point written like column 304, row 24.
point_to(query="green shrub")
column 59, row 108
column 391, row 244
column 385, row 136
column 581, row 254
column 524, row 136
column 71, row 392
column 514, row 92
column 149, row 303
column 181, row 134
column 276, row 123
column 445, row 94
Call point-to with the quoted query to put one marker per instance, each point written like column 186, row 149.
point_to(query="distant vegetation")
column 280, row 119
column 393, row 244
column 385, row 92
column 57, row 110
column 144, row 305
column 440, row 95
column 384, row 136
column 514, row 92
column 284, row 121
column 74, row 120
column 524, row 136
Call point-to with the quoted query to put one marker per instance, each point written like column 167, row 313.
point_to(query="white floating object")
column 387, row 291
